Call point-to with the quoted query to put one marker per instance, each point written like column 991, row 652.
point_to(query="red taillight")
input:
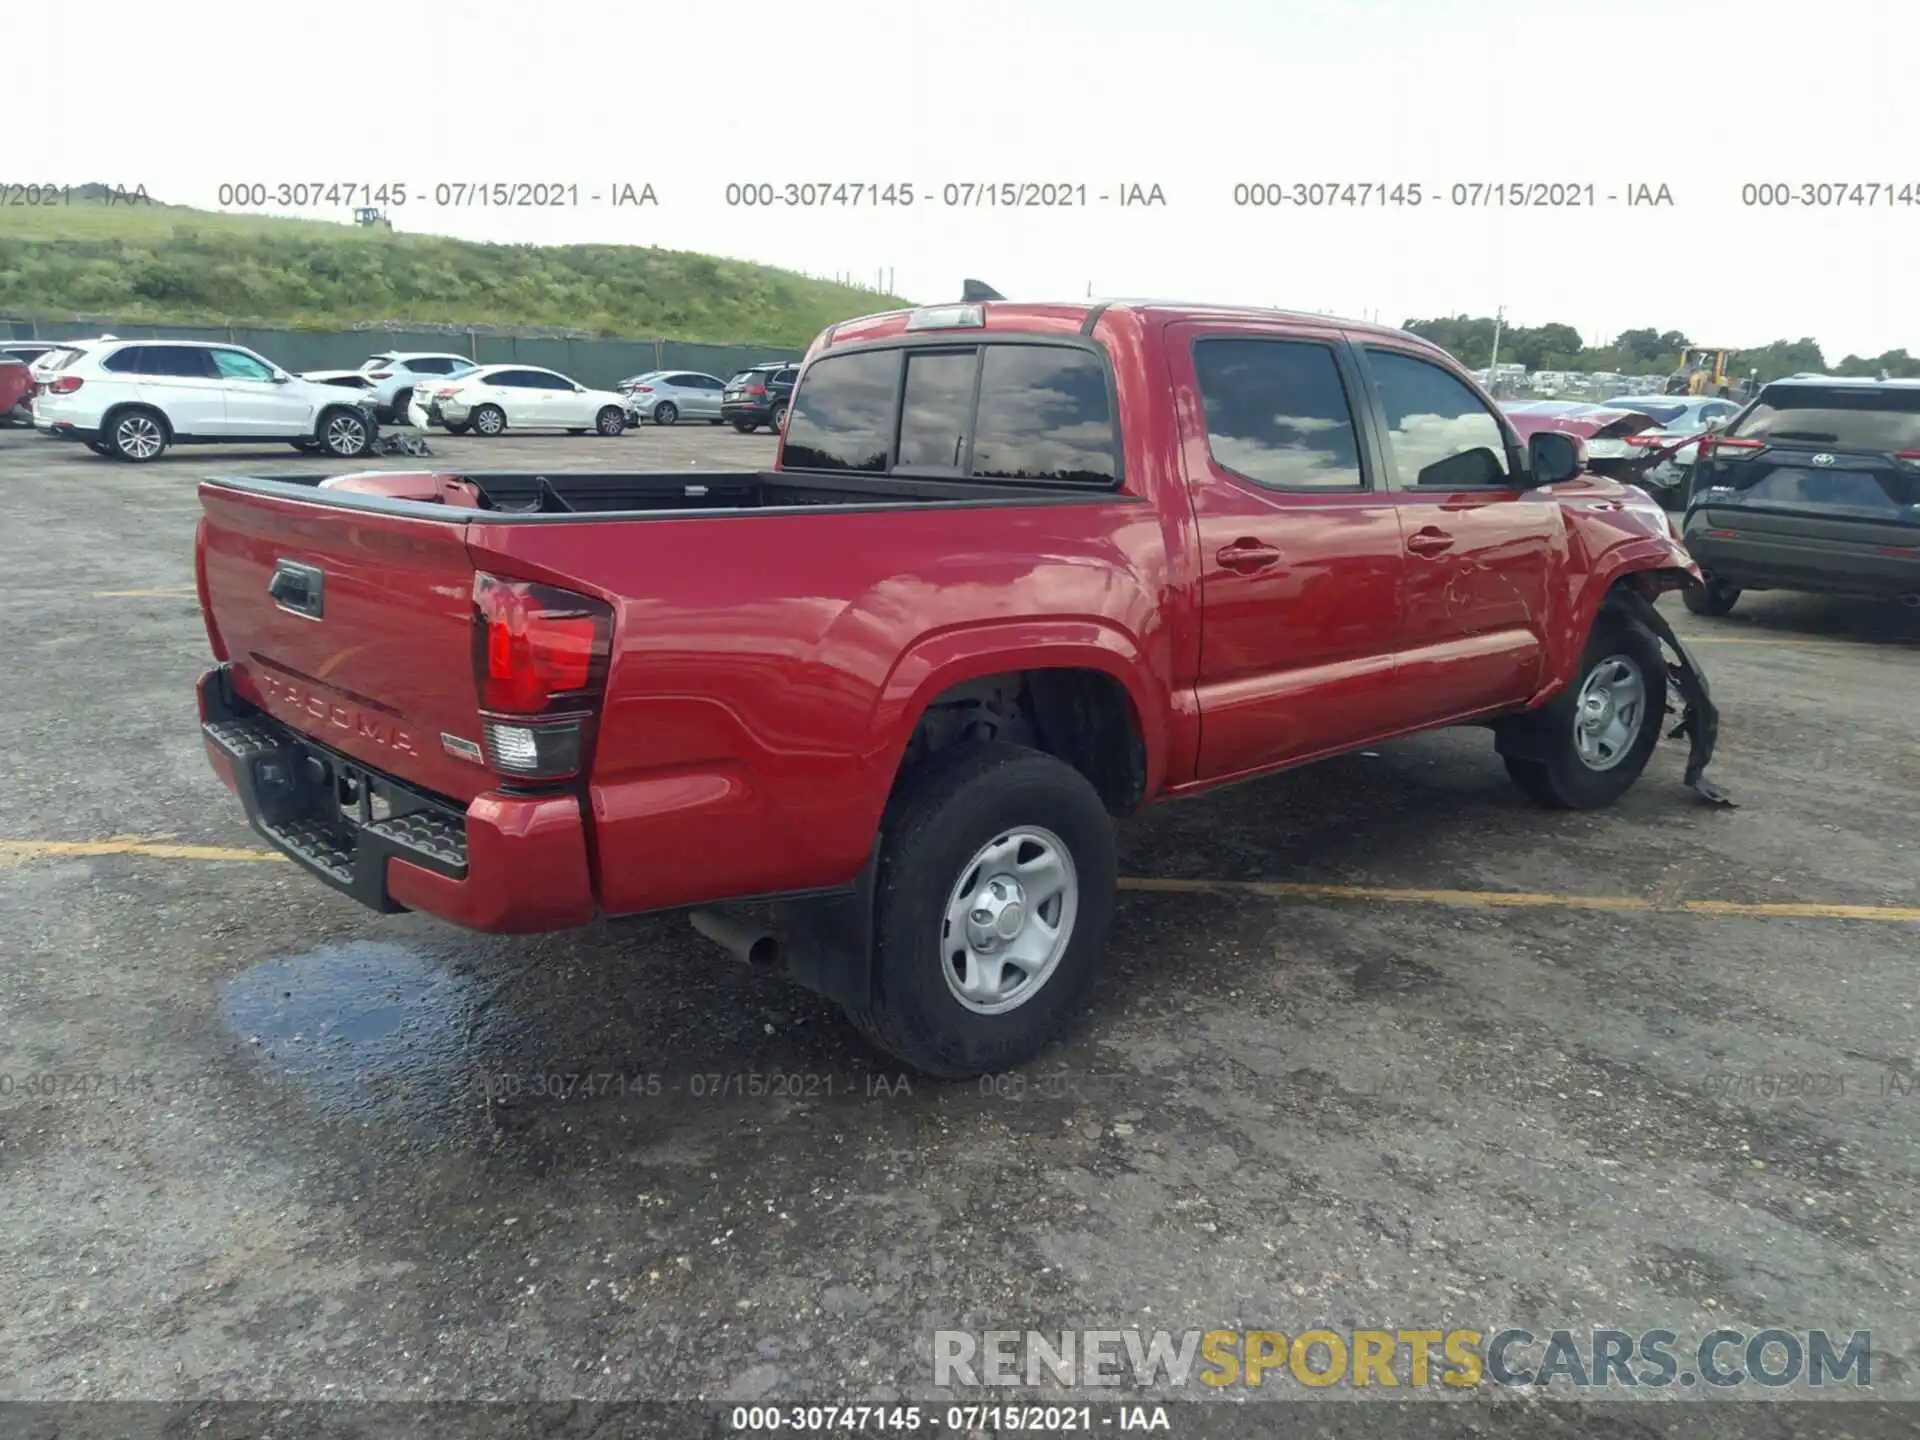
column 540, row 657
column 756, row 389
column 643, row 389
column 1912, row 457
column 538, row 648
column 381, row 375
column 66, row 385
column 446, row 392
column 1728, row 447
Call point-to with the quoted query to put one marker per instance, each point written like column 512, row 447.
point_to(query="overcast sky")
column 1194, row 96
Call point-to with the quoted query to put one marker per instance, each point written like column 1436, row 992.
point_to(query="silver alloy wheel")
column 611, row 421
column 1610, row 711
column 665, row 413
column 138, row 437
column 1008, row 920
column 489, row 421
column 346, row 436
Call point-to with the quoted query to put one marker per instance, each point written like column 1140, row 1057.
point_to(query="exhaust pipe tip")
column 754, row 944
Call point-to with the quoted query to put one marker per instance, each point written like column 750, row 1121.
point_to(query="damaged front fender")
column 1700, row 717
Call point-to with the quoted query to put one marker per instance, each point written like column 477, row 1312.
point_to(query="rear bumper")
column 735, row 411
column 506, row 864
column 1776, row 560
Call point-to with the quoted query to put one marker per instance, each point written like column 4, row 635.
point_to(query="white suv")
column 393, row 374
column 134, row 398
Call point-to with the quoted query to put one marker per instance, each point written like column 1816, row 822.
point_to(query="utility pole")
column 1499, row 315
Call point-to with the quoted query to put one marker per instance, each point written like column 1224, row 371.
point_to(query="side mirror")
column 1554, row 456
column 279, row 379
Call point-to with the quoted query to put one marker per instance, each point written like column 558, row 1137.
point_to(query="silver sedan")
column 665, row 397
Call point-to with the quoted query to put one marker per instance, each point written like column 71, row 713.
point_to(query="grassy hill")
column 171, row 264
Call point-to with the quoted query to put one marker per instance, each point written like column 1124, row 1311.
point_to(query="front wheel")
column 1716, row 597
column 610, row 421
column 489, row 420
column 346, row 434
column 996, row 887
column 666, row 413
column 1584, row 748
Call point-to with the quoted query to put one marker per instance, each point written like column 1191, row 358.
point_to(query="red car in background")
column 16, row 392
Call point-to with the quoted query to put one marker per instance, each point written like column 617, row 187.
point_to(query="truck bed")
column 516, row 496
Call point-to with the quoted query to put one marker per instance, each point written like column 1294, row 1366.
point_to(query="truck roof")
column 1072, row 315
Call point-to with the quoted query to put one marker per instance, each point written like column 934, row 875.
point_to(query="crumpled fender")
column 1700, row 718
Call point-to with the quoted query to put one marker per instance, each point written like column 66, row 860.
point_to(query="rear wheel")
column 400, row 404
column 610, row 421
column 1585, row 747
column 346, row 434
column 1716, row 597
column 489, row 420
column 716, row 421
column 138, row 435
column 459, row 429
column 995, row 891
column 306, row 447
column 777, row 419
column 665, row 413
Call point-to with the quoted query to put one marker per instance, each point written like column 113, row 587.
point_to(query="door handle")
column 1429, row 541
column 1247, row 556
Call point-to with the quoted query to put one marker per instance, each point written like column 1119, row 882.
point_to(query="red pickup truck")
column 1019, row 568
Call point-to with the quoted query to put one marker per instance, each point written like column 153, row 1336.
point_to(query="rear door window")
column 181, row 361
column 842, row 418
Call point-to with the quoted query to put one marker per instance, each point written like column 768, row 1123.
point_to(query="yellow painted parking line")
column 1264, row 889
column 1522, row 900
column 26, row 849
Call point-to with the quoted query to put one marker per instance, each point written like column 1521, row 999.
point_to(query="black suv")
column 1815, row 486
column 759, row 396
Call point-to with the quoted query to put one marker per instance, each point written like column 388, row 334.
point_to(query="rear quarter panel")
column 769, row 669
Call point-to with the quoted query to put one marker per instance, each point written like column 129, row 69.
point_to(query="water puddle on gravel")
column 365, row 1030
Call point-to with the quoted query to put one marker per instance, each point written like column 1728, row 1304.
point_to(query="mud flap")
column 1700, row 717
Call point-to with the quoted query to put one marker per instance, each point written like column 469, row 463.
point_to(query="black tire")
column 488, row 420
column 1547, row 763
column 345, row 433
column 666, row 413
column 939, row 820
column 97, row 448
column 611, row 421
column 1716, row 597
column 398, row 414
column 306, row 447
column 716, row 422
column 777, row 417
column 745, row 427
column 458, row 429
column 572, row 431
column 132, row 430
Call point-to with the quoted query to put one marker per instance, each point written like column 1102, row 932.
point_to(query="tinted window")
column 233, row 365
column 124, row 362
column 1278, row 413
column 547, row 380
column 783, row 377
column 1437, row 429
column 842, row 418
column 509, row 379
column 938, row 404
column 176, row 360
column 1855, row 419
column 427, row 365
column 1044, row 415
column 376, row 362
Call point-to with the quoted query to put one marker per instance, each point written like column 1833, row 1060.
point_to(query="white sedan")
column 497, row 398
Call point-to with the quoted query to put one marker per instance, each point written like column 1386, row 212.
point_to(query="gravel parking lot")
column 1380, row 1045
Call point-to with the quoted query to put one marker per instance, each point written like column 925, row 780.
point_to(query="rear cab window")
column 999, row 411
column 1277, row 413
